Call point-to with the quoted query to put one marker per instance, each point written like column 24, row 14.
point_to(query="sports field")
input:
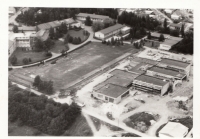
column 77, row 64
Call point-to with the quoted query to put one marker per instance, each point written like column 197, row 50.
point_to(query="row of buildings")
column 26, row 34
column 143, row 75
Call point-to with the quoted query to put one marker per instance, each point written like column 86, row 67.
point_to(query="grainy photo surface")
column 114, row 72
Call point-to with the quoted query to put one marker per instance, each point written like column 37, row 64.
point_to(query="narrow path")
column 90, row 123
column 160, row 13
column 116, row 123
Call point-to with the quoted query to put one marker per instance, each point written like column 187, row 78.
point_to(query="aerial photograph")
column 100, row 72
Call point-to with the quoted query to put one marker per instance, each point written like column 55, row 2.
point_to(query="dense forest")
column 35, row 16
column 40, row 112
column 186, row 45
column 139, row 25
column 136, row 21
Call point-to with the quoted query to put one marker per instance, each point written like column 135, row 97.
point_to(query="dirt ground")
column 76, row 65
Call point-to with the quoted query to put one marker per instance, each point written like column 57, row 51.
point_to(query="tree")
column 98, row 25
column 66, row 47
column 48, row 44
column 38, row 45
column 51, row 33
column 161, row 38
column 13, row 60
column 165, row 23
column 37, row 81
column 152, row 45
column 88, row 21
column 70, row 39
column 182, row 31
column 66, row 39
column 15, row 29
column 138, row 34
column 25, row 61
column 108, row 22
column 63, row 28
column 29, row 60
column 112, row 41
column 149, row 35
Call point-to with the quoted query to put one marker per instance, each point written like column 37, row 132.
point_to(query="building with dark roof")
column 150, row 84
column 93, row 17
column 165, row 73
column 47, row 26
column 182, row 67
column 111, row 93
column 167, row 44
column 174, row 26
column 110, row 31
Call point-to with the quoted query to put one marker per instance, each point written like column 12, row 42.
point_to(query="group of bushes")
column 39, row 112
column 25, row 61
column 113, row 41
column 75, row 40
column 43, row 86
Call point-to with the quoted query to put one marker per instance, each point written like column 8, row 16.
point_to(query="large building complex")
column 93, row 17
column 150, row 84
column 110, row 31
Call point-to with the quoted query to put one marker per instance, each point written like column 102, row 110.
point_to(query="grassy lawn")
column 77, row 34
column 15, row 130
column 58, row 46
column 79, row 128
column 77, row 64
column 35, row 56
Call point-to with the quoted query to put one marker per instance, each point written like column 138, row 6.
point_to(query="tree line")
column 33, row 17
column 39, row 112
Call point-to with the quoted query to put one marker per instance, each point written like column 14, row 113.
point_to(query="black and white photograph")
column 90, row 71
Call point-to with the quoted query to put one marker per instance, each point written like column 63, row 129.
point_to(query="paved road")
column 12, row 18
column 116, row 123
column 160, row 13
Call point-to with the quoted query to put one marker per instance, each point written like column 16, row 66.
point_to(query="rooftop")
column 26, row 28
column 112, row 90
column 151, row 80
column 167, row 72
column 174, row 62
column 174, row 129
column 43, row 35
column 68, row 21
column 120, row 78
column 12, row 35
column 111, row 28
column 138, row 68
column 124, row 74
column 157, row 35
column 145, row 60
column 48, row 25
column 171, row 41
column 175, row 25
column 92, row 15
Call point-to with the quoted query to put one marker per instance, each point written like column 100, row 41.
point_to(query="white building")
column 111, row 31
column 21, row 40
column 93, row 17
column 173, row 129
